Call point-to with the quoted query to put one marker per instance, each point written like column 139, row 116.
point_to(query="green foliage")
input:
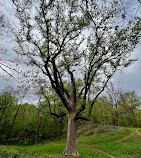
column 126, row 111
column 8, row 153
column 25, row 126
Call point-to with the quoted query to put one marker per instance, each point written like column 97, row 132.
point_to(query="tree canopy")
column 71, row 40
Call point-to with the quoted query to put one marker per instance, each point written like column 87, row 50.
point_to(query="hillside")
column 93, row 142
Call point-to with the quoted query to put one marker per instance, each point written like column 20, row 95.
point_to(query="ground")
column 92, row 143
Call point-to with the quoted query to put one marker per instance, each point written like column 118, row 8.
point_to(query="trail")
column 138, row 133
column 103, row 152
column 126, row 137
column 135, row 132
column 98, row 150
column 131, row 135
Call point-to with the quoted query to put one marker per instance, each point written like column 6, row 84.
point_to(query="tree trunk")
column 71, row 143
column 134, row 118
column 2, row 113
column 37, row 127
column 11, row 128
column 117, row 118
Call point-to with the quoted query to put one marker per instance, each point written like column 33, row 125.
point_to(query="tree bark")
column 71, row 143
column 128, row 119
column 10, row 130
column 37, row 127
column 2, row 113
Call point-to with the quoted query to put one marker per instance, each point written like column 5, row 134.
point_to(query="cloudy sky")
column 129, row 79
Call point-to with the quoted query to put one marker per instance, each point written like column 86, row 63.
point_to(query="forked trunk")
column 71, row 143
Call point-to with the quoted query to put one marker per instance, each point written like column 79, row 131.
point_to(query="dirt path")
column 126, row 137
column 138, row 133
column 131, row 135
column 103, row 152
column 98, row 150
column 135, row 132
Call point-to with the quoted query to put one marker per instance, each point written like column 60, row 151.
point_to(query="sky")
column 129, row 79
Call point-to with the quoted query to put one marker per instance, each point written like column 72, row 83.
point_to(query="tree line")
column 33, row 124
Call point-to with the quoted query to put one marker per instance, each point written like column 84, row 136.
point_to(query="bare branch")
column 81, row 92
column 90, row 110
column 82, row 118
column 73, row 86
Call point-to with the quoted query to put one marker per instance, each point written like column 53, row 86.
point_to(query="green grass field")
column 119, row 143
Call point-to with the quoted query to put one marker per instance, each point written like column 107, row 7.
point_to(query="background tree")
column 129, row 113
column 114, row 93
column 130, row 102
column 7, row 101
column 68, row 40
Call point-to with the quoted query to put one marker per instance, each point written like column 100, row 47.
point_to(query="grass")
column 130, row 147
column 100, row 144
column 103, row 137
column 44, row 151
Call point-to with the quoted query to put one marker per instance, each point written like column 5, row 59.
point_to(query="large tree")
column 71, row 39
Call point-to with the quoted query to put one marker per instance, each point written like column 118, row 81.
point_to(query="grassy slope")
column 91, row 144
